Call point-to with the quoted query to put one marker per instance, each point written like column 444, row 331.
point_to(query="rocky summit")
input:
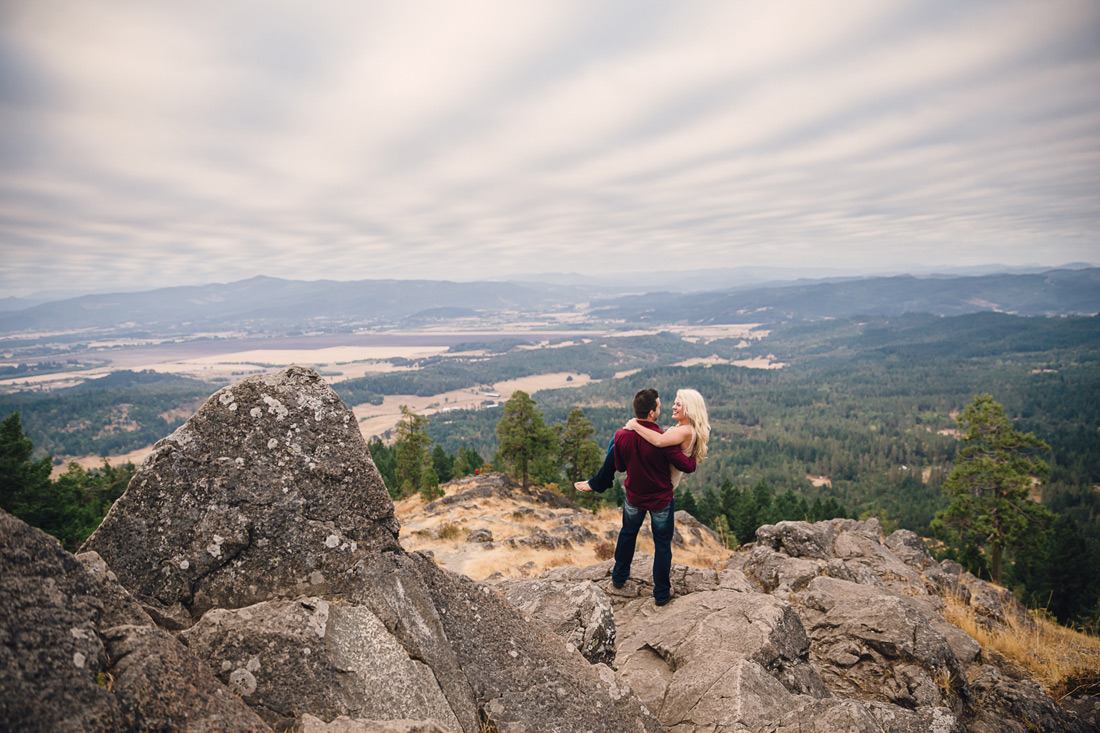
column 251, row 578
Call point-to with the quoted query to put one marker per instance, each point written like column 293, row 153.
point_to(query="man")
column 648, row 489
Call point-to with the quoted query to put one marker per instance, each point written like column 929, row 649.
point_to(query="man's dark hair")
column 645, row 402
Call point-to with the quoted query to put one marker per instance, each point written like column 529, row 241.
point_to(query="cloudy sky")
column 145, row 144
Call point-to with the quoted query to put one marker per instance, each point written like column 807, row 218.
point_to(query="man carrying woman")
column 654, row 461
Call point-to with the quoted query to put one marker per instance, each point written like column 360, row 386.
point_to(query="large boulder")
column 580, row 613
column 717, row 657
column 288, row 658
column 53, row 662
column 1004, row 705
column 267, row 492
column 73, row 661
column 524, row 677
column 162, row 686
column 871, row 643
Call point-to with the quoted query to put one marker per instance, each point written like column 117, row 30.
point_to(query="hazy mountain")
column 727, row 278
column 1052, row 293
column 273, row 303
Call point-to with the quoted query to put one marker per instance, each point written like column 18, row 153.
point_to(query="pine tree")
column 990, row 483
column 415, row 472
column 443, row 464
column 578, row 453
column 525, row 440
column 24, row 483
column 386, row 463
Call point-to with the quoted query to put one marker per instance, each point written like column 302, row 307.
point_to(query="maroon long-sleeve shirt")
column 648, row 485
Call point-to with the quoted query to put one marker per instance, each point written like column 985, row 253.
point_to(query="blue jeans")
column 662, row 521
column 605, row 477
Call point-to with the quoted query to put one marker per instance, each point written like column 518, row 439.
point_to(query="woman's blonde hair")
column 696, row 411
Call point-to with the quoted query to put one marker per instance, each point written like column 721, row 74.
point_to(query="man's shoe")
column 671, row 595
column 617, row 586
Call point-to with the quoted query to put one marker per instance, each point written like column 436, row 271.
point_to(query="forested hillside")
column 114, row 414
column 869, row 405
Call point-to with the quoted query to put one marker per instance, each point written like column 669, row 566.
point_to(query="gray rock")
column 799, row 539
column 578, row 612
column 967, row 649
column 777, row 572
column 344, row 724
column 575, row 533
column 850, row 716
column 53, row 663
column 119, row 607
column 480, row 535
column 63, row 668
column 994, row 604
column 716, row 659
column 873, row 644
column 640, row 583
column 1016, row 706
column 540, row 540
column 941, row 580
column 524, row 677
column 285, row 658
column 910, row 548
column 693, row 532
column 861, row 543
column 161, row 686
column 271, row 480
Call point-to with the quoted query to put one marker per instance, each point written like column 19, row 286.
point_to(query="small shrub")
column 449, row 531
column 605, row 551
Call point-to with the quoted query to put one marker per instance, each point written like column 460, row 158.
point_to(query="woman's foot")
column 671, row 595
column 582, row 486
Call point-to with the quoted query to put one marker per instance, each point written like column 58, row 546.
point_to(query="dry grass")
column 445, row 534
column 1055, row 656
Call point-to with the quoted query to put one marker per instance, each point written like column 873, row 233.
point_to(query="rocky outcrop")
column 261, row 532
column 76, row 654
column 818, row 627
column 268, row 491
column 287, row 658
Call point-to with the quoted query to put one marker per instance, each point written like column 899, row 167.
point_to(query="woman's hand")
column 631, row 424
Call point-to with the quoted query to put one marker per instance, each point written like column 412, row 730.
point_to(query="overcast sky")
column 146, row 144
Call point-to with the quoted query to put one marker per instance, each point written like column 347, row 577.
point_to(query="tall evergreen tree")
column 443, row 463
column 384, row 461
column 415, row 472
column 525, row 440
column 578, row 453
column 24, row 483
column 990, row 484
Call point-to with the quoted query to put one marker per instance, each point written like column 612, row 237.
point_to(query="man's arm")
column 677, row 458
column 622, row 438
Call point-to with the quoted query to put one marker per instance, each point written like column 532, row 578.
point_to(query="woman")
column 691, row 433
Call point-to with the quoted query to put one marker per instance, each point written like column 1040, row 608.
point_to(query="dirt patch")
column 89, row 462
column 760, row 362
column 378, row 420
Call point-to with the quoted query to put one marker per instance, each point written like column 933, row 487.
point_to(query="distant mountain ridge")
column 1051, row 293
column 274, row 304
column 281, row 303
